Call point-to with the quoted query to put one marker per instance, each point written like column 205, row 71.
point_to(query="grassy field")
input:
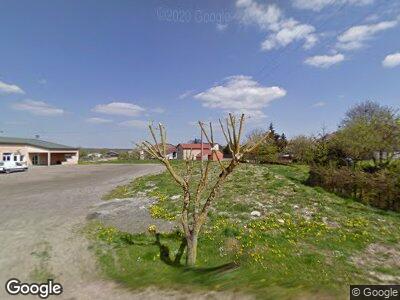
column 118, row 161
column 307, row 243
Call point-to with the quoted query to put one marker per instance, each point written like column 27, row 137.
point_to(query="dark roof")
column 35, row 143
column 170, row 148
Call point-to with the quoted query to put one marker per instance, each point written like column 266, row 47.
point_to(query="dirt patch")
column 381, row 261
column 129, row 215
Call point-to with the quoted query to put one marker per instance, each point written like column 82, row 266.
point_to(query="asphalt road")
column 41, row 214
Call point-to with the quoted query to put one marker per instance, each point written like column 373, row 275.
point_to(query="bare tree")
column 197, row 202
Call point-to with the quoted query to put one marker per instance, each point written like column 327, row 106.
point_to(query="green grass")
column 118, row 161
column 41, row 256
column 306, row 242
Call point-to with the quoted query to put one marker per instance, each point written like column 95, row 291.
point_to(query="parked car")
column 12, row 166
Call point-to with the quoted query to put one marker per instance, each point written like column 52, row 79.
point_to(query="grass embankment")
column 307, row 241
column 118, row 161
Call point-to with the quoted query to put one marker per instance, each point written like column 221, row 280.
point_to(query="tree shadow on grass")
column 176, row 262
column 165, row 252
column 225, row 268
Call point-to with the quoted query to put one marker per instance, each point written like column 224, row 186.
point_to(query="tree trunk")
column 191, row 254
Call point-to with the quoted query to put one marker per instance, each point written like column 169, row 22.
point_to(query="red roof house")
column 193, row 151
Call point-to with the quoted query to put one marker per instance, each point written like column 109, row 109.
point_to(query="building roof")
column 170, row 148
column 35, row 143
column 194, row 146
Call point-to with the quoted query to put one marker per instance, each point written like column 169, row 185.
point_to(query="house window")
column 21, row 158
column 6, row 156
column 15, row 158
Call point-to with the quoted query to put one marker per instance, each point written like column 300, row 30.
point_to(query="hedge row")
column 380, row 189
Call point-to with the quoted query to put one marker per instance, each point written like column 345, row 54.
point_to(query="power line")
column 340, row 33
column 299, row 45
column 285, row 50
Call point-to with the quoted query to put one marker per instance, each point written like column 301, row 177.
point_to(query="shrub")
column 380, row 189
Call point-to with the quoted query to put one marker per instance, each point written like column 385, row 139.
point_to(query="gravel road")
column 41, row 214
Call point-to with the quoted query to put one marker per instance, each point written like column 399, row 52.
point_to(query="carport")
column 51, row 158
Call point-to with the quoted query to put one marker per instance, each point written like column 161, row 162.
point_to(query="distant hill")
column 100, row 150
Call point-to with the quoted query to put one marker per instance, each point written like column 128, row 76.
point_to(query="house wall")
column 191, row 154
column 215, row 156
column 43, row 159
column 179, row 153
column 187, row 153
column 22, row 150
column 172, row 155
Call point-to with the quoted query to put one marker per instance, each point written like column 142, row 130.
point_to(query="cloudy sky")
column 94, row 73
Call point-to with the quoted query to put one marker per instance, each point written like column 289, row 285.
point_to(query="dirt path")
column 40, row 216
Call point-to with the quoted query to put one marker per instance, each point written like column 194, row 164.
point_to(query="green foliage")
column 370, row 132
column 83, row 153
column 380, row 189
column 127, row 156
column 269, row 150
column 356, row 160
column 302, row 149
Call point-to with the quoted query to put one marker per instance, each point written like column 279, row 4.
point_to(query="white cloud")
column 392, row 60
column 282, row 30
column 317, row 5
column 291, row 31
column 265, row 16
column 324, row 61
column 355, row 37
column 319, row 104
column 119, row 108
column 135, row 123
column 240, row 94
column 186, row 94
column 38, row 108
column 372, row 18
column 6, row 88
column 98, row 120
column 193, row 123
column 222, row 27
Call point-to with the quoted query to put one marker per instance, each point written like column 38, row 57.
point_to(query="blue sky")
column 93, row 73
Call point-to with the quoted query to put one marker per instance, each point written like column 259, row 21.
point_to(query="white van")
column 12, row 166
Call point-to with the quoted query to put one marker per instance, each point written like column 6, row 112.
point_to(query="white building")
column 37, row 152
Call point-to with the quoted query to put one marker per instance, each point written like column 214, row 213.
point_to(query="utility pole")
column 201, row 141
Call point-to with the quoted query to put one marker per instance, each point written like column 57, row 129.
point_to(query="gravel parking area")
column 41, row 213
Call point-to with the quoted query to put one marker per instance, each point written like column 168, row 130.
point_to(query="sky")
column 96, row 73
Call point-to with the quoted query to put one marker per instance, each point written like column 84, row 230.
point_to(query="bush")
column 380, row 189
